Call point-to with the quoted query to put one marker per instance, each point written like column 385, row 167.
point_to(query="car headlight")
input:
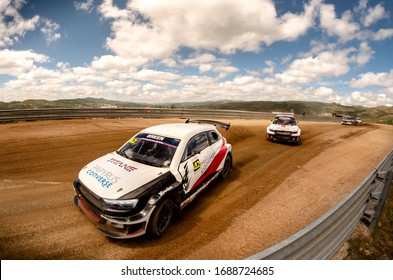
column 120, row 204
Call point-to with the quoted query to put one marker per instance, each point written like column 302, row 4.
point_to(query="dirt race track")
column 273, row 191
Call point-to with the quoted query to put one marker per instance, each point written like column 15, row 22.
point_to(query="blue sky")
column 170, row 51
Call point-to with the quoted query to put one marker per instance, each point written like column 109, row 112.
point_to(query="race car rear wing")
column 220, row 124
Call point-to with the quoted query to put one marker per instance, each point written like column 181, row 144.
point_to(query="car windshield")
column 284, row 120
column 150, row 149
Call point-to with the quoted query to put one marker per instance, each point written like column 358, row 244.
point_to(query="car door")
column 195, row 161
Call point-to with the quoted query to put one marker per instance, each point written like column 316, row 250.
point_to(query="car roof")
column 179, row 130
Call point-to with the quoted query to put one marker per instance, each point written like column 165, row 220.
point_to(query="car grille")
column 285, row 135
column 90, row 200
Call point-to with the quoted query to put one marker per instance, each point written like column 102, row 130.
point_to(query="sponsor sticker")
column 155, row 137
column 125, row 166
column 206, row 161
column 104, row 177
column 197, row 164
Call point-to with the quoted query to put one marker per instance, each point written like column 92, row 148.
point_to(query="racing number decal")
column 197, row 165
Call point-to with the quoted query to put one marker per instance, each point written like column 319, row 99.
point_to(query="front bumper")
column 348, row 123
column 284, row 137
column 114, row 226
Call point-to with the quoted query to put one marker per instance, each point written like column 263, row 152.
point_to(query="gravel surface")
column 273, row 191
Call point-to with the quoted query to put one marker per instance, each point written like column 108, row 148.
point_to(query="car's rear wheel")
column 227, row 166
column 161, row 218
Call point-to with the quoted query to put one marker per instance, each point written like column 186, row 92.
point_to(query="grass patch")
column 377, row 244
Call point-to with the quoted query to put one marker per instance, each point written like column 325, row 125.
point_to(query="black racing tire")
column 227, row 167
column 161, row 218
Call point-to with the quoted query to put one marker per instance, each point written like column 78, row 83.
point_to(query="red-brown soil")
column 273, row 191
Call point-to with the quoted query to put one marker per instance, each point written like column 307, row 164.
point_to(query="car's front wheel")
column 161, row 218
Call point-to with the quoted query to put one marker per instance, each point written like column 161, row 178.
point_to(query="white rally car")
column 284, row 127
column 137, row 189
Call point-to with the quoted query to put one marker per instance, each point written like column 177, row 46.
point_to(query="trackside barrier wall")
column 322, row 238
column 85, row 113
column 56, row 114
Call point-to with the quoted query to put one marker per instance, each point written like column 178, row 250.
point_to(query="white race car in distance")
column 348, row 120
column 284, row 127
column 137, row 189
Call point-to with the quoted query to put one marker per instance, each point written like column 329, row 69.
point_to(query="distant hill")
column 381, row 113
column 298, row 107
column 67, row 103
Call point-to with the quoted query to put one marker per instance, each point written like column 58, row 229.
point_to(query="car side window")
column 213, row 136
column 197, row 144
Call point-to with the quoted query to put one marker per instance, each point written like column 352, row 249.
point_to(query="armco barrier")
column 61, row 114
column 322, row 238
column 159, row 113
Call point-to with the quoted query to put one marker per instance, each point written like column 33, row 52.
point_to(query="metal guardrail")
column 61, row 114
column 322, row 238
column 85, row 113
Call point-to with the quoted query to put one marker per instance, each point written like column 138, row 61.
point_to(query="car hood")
column 283, row 127
column 112, row 176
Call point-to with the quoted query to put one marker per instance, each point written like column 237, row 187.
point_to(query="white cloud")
column 205, row 67
column 17, row 62
column 199, row 59
column 343, row 27
column 115, row 64
column 369, row 99
column 270, row 67
column 12, row 25
column 362, row 5
column 207, row 62
column 223, row 25
column 382, row 79
column 383, row 34
column 375, row 14
column 309, row 69
column 320, row 92
column 159, row 77
column 49, row 30
column 149, row 34
column 86, row 6
column 151, row 87
column 109, row 11
column 140, row 41
column 365, row 54
column 39, row 75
